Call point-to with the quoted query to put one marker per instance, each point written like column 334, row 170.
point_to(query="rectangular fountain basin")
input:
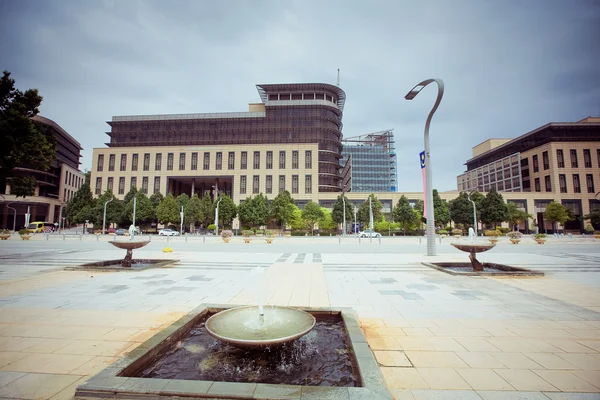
column 489, row 269
column 141, row 374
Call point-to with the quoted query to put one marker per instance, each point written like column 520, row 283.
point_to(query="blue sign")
column 422, row 158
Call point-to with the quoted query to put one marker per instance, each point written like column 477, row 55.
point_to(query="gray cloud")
column 508, row 66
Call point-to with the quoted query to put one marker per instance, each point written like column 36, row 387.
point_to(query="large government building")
column 53, row 188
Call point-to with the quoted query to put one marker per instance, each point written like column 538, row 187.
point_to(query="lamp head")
column 414, row 92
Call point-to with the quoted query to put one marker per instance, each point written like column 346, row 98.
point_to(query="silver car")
column 369, row 233
column 168, row 232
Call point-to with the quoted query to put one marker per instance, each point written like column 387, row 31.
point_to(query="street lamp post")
column 344, row 225
column 217, row 217
column 355, row 211
column 428, row 179
column 104, row 216
column 14, row 217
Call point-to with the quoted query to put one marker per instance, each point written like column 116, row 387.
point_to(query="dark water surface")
column 320, row 358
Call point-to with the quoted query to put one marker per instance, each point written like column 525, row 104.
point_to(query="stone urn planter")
column 540, row 238
column 25, row 237
column 4, row 236
column 269, row 240
column 226, row 239
column 540, row 241
column 443, row 236
column 493, row 240
column 515, row 237
column 226, row 235
column 247, row 236
column 288, row 234
column 25, row 234
column 270, row 235
column 515, row 241
column 596, row 235
column 247, row 240
column 457, row 236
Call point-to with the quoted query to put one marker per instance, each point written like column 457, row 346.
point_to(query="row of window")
column 73, row 180
column 560, row 159
column 206, row 161
column 132, row 184
column 562, row 182
column 269, row 184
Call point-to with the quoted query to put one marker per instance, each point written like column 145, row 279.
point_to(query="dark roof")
column 58, row 128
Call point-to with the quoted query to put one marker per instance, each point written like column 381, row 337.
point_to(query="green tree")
column 493, row 208
column 130, row 195
column 25, row 142
column 363, row 212
column 440, row 209
column 144, row 211
column 206, row 215
column 312, row 213
column 556, row 212
column 337, row 213
column 155, row 199
column 515, row 215
column 254, row 212
column 167, row 211
column 227, row 211
column 404, row 214
column 326, row 222
column 594, row 217
column 420, row 209
column 83, row 198
column 114, row 210
column 461, row 210
column 192, row 212
column 182, row 200
column 297, row 221
column 281, row 212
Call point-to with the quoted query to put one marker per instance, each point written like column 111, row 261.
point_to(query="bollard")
column 81, row 237
column 97, row 238
column 359, row 240
column 186, row 238
column 570, row 236
column 339, row 240
column 47, row 236
column 204, row 239
column 63, row 236
column 379, row 239
column 149, row 238
column 419, row 239
column 370, row 238
column 440, row 238
column 168, row 239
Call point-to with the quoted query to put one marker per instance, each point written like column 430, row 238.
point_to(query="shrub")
column 259, row 231
column 269, row 233
column 211, row 227
column 503, row 230
column 515, row 235
column 443, row 232
column 492, row 232
column 226, row 234
column 247, row 233
column 540, row 236
column 589, row 228
column 24, row 231
column 457, row 231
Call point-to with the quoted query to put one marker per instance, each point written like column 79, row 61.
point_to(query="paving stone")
column 419, row 286
column 200, row 278
column 114, row 288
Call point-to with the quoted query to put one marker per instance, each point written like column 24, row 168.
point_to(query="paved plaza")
column 434, row 335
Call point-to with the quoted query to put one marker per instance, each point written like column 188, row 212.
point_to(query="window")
column 111, row 162
column 281, row 183
column 101, row 161
column 156, row 184
column 574, row 163
column 308, row 184
column 589, row 178
column 256, row 159
column 598, row 158
column 206, row 163
column 269, row 188
column 576, row 184
column 219, row 164
column 98, row 185
column 145, row 185
column 243, row 184
column 562, row 182
column 109, row 184
column 294, row 160
column 560, row 158
column 536, row 165
column 545, row 160
column 170, row 157
column 244, row 163
column 134, row 162
column 181, row 161
column 308, row 159
column 194, row 161
column 123, row 166
column 122, row 185
column 133, row 183
column 269, row 160
column 548, row 183
column 231, row 160
column 587, row 158
column 255, row 184
column 295, row 184
column 282, row 160
column 538, row 187
column 157, row 162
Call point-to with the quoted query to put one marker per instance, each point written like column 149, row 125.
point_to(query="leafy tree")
column 25, row 142
column 130, row 195
column 182, row 200
column 167, row 211
column 297, row 221
column 155, row 199
column 594, row 217
column 493, row 208
column 516, row 215
column 144, row 211
column 420, row 209
column 337, row 213
column 83, row 198
column 556, row 212
column 363, row 212
column 440, row 209
column 192, row 211
column 312, row 213
column 281, row 212
column 326, row 222
column 404, row 213
column 227, row 211
column 461, row 210
column 114, row 210
column 206, row 215
column 254, row 212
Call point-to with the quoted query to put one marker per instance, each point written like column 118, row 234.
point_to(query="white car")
column 168, row 232
column 369, row 233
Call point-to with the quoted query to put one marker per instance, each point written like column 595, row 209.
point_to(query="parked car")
column 120, row 232
column 168, row 232
column 369, row 233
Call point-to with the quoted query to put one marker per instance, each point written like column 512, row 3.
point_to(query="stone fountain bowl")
column 473, row 248
column 129, row 245
column 243, row 327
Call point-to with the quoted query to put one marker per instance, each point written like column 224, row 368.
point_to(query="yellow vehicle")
column 39, row 227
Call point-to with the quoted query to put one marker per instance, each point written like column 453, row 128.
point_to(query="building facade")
column 54, row 187
column 557, row 161
column 372, row 162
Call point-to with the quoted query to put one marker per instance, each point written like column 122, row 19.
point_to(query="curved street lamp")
column 428, row 179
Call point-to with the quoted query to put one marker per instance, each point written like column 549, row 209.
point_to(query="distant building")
column 53, row 188
column 371, row 161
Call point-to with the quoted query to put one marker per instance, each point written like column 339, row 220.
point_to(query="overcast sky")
column 508, row 66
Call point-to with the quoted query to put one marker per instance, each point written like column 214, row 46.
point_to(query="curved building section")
column 289, row 114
